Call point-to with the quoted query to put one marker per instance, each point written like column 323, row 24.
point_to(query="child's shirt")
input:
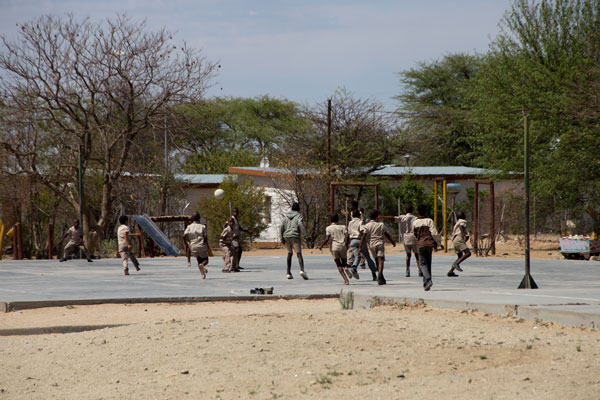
column 459, row 232
column 226, row 236
column 425, row 233
column 195, row 233
column 123, row 229
column 338, row 236
column 374, row 232
column 75, row 235
column 355, row 227
column 406, row 228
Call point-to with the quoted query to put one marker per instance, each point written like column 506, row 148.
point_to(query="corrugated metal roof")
column 416, row 171
column 197, row 179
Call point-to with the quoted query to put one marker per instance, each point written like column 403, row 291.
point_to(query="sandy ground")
column 293, row 350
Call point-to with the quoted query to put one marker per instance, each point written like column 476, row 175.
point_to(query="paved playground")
column 569, row 291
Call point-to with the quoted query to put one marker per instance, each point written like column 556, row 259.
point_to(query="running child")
column 196, row 237
column 339, row 246
column 460, row 236
column 124, row 243
column 374, row 234
column 427, row 240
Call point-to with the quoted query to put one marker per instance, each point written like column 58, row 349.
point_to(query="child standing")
column 226, row 243
column 427, row 240
column 460, row 236
column 374, row 233
column 196, row 237
column 339, row 246
column 291, row 231
column 124, row 243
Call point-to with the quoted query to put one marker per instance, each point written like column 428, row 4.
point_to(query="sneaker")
column 289, row 276
column 383, row 279
column 304, row 275
column 89, row 260
column 428, row 286
column 374, row 276
column 63, row 260
column 451, row 274
column 137, row 267
column 355, row 273
column 457, row 267
column 407, row 273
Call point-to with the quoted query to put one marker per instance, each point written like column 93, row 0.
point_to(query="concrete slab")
column 569, row 290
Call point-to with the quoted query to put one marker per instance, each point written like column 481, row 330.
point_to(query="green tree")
column 249, row 200
column 435, row 103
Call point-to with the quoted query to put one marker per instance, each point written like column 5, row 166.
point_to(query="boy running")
column 226, row 243
column 374, row 233
column 355, row 231
column 339, row 246
column 427, row 240
column 460, row 236
column 124, row 243
column 196, row 237
column 408, row 236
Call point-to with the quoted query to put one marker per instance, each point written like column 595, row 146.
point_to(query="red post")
column 18, row 242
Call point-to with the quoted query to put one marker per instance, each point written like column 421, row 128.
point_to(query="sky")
column 299, row 50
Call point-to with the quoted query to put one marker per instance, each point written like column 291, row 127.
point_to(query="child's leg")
column 124, row 260
column 466, row 254
column 340, row 268
column 188, row 254
column 202, row 262
column 226, row 257
column 365, row 255
column 424, row 259
column 135, row 262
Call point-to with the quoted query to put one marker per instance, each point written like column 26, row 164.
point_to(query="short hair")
column 295, row 206
column 374, row 214
column 408, row 208
column 235, row 209
column 460, row 215
column 196, row 216
column 422, row 209
column 354, row 204
column 356, row 213
column 231, row 220
column 123, row 219
column 334, row 217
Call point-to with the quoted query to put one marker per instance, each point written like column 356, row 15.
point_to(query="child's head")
column 460, row 215
column 422, row 210
column 354, row 205
column 235, row 212
column 333, row 217
column 196, row 217
column 408, row 209
column 356, row 213
column 76, row 224
column 230, row 221
column 295, row 206
column 373, row 215
column 123, row 219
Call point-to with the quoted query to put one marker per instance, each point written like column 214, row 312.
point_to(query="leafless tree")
column 71, row 88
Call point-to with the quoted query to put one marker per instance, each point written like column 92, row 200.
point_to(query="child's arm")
column 387, row 235
column 126, row 237
column 324, row 242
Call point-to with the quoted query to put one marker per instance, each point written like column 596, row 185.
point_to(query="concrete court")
column 569, row 290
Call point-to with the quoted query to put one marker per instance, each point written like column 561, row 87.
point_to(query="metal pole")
column 435, row 182
column 331, row 197
column 527, row 282
column 445, row 215
column 50, row 233
column 493, row 216
column 166, row 167
column 329, row 137
column 476, row 219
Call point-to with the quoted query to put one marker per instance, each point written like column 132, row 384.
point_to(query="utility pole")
column 80, row 178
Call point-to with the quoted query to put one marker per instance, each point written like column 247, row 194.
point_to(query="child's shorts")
column 459, row 245
column 378, row 250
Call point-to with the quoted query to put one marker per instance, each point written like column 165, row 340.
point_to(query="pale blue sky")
column 301, row 50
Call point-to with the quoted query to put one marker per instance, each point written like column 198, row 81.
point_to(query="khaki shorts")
column 339, row 254
column 199, row 251
column 459, row 245
column 377, row 250
column 293, row 244
column 410, row 248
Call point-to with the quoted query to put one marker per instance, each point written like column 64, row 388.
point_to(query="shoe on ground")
column 240, row 268
column 355, row 273
column 383, row 279
column 126, row 271
column 457, row 267
column 452, row 274
column 290, row 276
column 428, row 286
column 63, row 260
column 304, row 275
column 374, row 276
column 137, row 268
column 89, row 260
column 225, row 271
column 407, row 273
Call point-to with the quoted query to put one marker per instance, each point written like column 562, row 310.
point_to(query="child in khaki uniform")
column 339, row 246
column 226, row 243
column 125, row 245
column 460, row 236
column 374, row 234
column 196, row 236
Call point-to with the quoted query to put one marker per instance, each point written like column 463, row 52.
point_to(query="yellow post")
column 444, row 213
column 435, row 203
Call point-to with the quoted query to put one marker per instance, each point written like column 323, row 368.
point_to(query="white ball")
column 219, row 194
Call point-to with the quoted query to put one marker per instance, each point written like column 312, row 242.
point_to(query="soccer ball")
column 219, row 194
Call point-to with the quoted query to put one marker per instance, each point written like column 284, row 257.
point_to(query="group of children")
column 361, row 236
column 418, row 233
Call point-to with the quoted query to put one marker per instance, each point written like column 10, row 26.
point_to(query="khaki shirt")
column 406, row 228
column 338, row 236
column 374, row 233
column 195, row 233
column 75, row 236
column 355, row 228
column 121, row 237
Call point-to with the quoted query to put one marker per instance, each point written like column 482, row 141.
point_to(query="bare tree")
column 72, row 89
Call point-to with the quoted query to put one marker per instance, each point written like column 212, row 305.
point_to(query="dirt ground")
column 293, row 350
